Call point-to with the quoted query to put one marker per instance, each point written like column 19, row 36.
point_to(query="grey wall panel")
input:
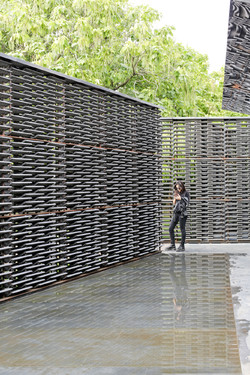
column 236, row 95
column 80, row 171
column 212, row 156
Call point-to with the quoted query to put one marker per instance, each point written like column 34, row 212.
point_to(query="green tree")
column 113, row 44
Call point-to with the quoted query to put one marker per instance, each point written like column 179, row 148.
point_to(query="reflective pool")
column 164, row 314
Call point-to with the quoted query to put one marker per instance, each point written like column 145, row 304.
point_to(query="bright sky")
column 200, row 24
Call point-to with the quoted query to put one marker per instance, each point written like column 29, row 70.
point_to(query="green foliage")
column 113, row 44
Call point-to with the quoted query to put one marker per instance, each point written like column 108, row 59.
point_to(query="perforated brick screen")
column 236, row 95
column 212, row 156
column 80, row 177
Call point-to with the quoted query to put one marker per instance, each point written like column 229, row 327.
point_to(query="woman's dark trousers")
column 175, row 219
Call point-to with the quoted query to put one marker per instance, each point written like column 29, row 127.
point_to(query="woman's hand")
column 177, row 197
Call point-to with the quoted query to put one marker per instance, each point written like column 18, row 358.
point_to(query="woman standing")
column 181, row 202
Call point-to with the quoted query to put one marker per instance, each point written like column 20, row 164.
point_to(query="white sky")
column 200, row 24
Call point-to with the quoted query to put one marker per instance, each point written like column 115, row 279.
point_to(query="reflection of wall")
column 125, row 319
column 236, row 95
column 80, row 177
column 204, row 339
column 212, row 156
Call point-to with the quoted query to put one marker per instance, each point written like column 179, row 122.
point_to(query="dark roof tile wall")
column 236, row 95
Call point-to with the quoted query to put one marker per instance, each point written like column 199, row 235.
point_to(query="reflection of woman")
column 180, row 288
column 181, row 202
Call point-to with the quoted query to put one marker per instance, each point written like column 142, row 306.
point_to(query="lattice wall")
column 212, row 155
column 236, row 95
column 80, row 177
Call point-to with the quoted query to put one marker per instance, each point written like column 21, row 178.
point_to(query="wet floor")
column 240, row 284
column 164, row 314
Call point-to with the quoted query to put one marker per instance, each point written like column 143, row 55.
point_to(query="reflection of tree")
column 180, row 287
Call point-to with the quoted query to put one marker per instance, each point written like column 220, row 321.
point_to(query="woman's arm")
column 186, row 198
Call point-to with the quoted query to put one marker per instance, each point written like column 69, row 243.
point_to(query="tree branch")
column 125, row 82
column 134, row 73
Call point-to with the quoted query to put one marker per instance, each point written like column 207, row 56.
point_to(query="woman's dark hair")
column 181, row 184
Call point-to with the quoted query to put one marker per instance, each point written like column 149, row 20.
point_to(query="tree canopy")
column 113, row 44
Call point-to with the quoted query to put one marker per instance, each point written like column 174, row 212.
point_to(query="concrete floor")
column 165, row 314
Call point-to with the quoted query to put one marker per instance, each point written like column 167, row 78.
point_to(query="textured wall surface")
column 213, row 157
column 80, row 177
column 236, row 96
